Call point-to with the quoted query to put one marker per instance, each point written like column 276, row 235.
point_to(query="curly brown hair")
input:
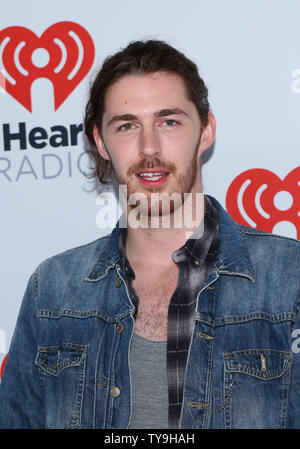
column 140, row 57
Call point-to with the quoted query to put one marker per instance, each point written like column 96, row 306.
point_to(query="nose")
column 149, row 145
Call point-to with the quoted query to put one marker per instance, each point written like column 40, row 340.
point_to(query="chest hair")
column 154, row 297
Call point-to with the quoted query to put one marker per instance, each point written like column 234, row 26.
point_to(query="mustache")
column 156, row 162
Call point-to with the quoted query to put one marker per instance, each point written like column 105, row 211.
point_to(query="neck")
column 159, row 242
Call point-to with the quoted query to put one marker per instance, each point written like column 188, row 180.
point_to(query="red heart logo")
column 3, row 366
column 69, row 51
column 250, row 199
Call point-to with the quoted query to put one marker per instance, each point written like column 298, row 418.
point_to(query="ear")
column 208, row 134
column 100, row 144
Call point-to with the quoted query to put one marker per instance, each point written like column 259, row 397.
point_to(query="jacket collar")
column 108, row 258
column 232, row 258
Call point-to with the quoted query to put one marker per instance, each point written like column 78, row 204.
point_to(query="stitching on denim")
column 96, row 368
column 216, row 410
column 81, row 349
column 245, row 240
column 96, row 267
column 185, row 374
column 251, row 277
column 132, row 311
column 97, row 383
column 35, row 287
column 258, row 232
column 117, row 338
column 226, row 402
column 209, row 372
column 130, row 374
column 111, row 263
column 82, row 315
column 237, row 273
column 276, row 318
column 103, row 275
column 210, row 341
column 285, row 394
column 209, row 286
column 285, row 316
column 270, row 375
column 236, row 366
column 257, row 351
column 76, row 419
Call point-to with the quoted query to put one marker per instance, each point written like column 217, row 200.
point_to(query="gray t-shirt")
column 148, row 369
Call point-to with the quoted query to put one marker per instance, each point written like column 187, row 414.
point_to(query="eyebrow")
column 161, row 113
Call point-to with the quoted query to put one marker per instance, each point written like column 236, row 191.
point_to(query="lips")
column 152, row 176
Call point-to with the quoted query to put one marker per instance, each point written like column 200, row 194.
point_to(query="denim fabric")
column 68, row 363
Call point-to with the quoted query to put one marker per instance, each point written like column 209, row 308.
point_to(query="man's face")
column 151, row 134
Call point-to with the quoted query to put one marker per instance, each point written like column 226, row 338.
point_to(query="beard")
column 158, row 202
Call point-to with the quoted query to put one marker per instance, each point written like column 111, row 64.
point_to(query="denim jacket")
column 68, row 363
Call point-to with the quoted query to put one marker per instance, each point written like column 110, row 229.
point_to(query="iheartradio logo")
column 260, row 199
column 63, row 54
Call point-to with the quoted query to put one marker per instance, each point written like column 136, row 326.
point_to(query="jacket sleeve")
column 293, row 416
column 21, row 406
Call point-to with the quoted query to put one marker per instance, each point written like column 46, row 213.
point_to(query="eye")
column 170, row 123
column 125, row 127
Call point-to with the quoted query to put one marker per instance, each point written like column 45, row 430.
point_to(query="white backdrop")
column 249, row 55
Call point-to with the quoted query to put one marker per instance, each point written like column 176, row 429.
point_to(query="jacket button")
column 120, row 328
column 114, row 392
column 118, row 282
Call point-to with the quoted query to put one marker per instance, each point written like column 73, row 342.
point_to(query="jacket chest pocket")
column 62, row 371
column 257, row 381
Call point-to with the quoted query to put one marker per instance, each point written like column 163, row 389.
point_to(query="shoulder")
column 256, row 235
column 272, row 249
column 74, row 261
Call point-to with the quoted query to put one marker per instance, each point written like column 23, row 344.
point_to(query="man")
column 158, row 326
